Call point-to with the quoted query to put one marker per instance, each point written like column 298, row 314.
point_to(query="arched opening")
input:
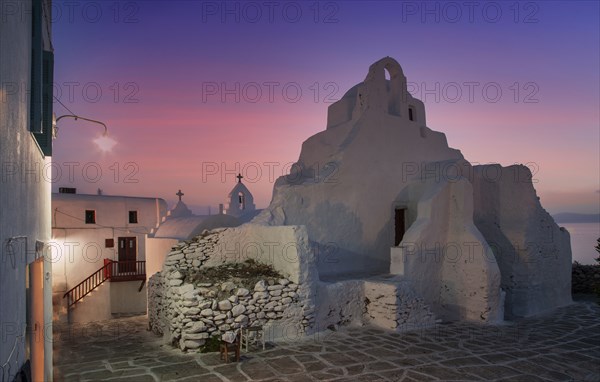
column 392, row 69
column 393, row 76
column 242, row 201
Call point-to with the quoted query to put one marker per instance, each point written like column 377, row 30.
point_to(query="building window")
column 411, row 113
column 37, row 48
column 133, row 217
column 109, row 243
column 90, row 216
column 67, row 190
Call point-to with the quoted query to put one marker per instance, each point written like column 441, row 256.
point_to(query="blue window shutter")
column 35, row 106
column 44, row 138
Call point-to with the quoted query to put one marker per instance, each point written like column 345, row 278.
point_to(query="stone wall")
column 188, row 312
column 531, row 250
column 585, row 278
column 339, row 303
column 393, row 304
column 384, row 301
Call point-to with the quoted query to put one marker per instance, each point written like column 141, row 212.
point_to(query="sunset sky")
column 157, row 73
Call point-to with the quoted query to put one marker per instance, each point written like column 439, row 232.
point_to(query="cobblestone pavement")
column 561, row 346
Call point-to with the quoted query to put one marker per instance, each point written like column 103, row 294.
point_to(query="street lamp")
column 104, row 142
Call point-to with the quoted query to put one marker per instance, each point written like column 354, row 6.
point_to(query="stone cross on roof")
column 180, row 194
column 239, row 177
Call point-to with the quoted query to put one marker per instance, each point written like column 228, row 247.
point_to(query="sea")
column 584, row 238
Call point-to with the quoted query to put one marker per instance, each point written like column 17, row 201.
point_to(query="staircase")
column 113, row 271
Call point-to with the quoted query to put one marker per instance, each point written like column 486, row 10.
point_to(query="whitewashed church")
column 413, row 233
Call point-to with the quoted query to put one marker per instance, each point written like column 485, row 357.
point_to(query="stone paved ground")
column 562, row 346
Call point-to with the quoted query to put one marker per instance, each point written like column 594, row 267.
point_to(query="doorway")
column 399, row 225
column 127, row 254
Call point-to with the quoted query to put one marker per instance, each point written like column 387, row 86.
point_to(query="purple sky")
column 157, row 72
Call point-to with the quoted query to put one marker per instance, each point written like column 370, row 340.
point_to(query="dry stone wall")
column 189, row 311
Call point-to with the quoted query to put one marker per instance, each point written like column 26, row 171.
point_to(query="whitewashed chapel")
column 415, row 234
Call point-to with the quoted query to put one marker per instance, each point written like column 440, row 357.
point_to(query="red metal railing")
column 127, row 270
column 112, row 271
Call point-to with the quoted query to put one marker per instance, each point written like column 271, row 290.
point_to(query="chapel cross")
column 239, row 177
column 180, row 194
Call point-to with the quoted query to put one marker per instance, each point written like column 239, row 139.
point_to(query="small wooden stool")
column 225, row 348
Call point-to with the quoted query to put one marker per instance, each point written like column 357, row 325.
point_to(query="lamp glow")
column 105, row 143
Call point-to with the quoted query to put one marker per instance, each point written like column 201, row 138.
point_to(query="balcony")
column 113, row 271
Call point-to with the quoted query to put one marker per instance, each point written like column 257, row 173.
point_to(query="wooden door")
column 128, row 254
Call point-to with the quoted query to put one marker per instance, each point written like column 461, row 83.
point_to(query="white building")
column 181, row 224
column 105, row 247
column 26, row 69
column 383, row 223
column 240, row 202
column 99, row 253
column 390, row 194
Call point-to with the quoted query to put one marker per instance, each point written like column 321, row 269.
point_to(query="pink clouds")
column 180, row 122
